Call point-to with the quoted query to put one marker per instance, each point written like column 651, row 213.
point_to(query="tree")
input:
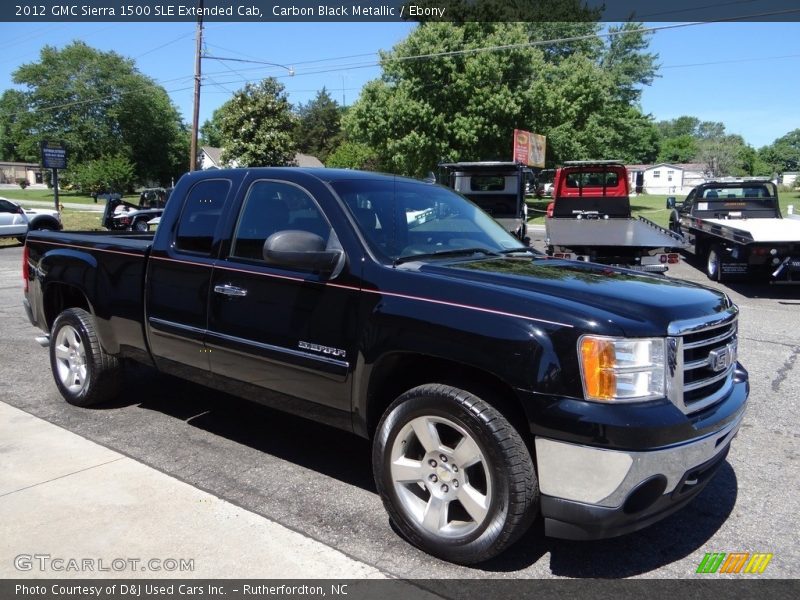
column 727, row 155
column 319, row 127
column 678, row 149
column 12, row 110
column 99, row 104
column 113, row 173
column 783, row 154
column 462, row 102
column 211, row 130
column 352, row 155
column 256, row 126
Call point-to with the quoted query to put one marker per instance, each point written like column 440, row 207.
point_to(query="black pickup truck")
column 496, row 383
column 738, row 231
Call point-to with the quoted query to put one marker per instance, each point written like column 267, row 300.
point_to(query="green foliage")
column 22, row 182
column 107, row 174
column 783, row 154
column 100, row 105
column 688, row 139
column 211, row 132
column 678, row 149
column 465, row 105
column 256, row 126
column 319, row 128
column 352, row 155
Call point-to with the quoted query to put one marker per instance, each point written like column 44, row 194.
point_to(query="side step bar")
column 43, row 340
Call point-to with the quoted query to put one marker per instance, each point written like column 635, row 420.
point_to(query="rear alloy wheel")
column 84, row 373
column 140, row 225
column 455, row 476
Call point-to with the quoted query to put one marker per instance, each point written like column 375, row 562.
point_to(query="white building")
column 666, row 178
column 211, row 158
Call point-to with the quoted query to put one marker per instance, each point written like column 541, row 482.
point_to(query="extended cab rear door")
column 179, row 278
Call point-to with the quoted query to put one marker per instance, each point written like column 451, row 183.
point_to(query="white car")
column 16, row 221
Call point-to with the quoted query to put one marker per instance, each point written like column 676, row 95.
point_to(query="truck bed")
column 630, row 232
column 757, row 230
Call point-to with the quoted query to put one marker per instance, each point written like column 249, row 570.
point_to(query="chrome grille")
column 702, row 360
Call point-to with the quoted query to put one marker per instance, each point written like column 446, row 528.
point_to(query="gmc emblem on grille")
column 722, row 358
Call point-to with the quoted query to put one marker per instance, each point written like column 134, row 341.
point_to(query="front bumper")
column 600, row 490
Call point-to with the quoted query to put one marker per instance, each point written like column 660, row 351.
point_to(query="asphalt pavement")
column 227, row 455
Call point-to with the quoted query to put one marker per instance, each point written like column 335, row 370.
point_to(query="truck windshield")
column 403, row 219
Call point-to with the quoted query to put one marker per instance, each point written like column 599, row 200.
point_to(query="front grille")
column 703, row 360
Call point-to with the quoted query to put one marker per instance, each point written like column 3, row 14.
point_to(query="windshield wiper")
column 444, row 253
column 515, row 250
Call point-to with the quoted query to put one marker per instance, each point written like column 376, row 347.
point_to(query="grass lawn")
column 653, row 207
column 46, row 195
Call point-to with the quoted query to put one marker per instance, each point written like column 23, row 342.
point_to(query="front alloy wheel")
column 446, row 486
column 455, row 476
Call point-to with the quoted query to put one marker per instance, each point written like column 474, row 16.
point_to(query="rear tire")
column 140, row 225
column 455, row 476
column 714, row 264
column 85, row 374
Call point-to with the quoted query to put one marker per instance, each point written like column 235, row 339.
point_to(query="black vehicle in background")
column 738, row 231
column 122, row 215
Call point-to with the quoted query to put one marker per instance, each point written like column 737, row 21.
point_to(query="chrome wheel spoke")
column 62, row 353
column 426, row 433
column 405, row 470
column 435, row 516
column 467, row 453
column 475, row 503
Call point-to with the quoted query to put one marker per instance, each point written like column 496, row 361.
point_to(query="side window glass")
column 200, row 215
column 272, row 206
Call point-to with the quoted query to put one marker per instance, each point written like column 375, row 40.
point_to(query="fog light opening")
column 645, row 494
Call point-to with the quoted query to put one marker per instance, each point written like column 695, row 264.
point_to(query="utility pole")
column 197, row 76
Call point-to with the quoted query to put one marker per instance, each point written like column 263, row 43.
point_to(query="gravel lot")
column 317, row 480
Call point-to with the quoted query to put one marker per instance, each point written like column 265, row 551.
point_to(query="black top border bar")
column 261, row 11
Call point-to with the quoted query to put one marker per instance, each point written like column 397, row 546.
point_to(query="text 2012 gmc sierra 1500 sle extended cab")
column 497, row 384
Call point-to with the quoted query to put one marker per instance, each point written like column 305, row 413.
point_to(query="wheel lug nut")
column 455, row 469
column 445, row 489
column 433, row 478
column 443, row 458
column 455, row 483
column 432, row 463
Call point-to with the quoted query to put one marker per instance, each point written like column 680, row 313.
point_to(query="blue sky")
column 746, row 75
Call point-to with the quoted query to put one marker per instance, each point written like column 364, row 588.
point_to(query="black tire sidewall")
column 457, row 549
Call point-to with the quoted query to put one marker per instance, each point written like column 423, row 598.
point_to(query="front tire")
column 85, row 374
column 455, row 476
column 140, row 225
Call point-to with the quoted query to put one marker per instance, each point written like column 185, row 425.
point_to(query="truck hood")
column 636, row 303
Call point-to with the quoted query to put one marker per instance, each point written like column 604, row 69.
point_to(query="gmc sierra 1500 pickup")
column 497, row 384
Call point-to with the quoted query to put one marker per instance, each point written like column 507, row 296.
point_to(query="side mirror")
column 671, row 202
column 301, row 250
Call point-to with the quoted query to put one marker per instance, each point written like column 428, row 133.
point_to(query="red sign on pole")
column 529, row 148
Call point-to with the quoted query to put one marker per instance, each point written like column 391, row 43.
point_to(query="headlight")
column 620, row 369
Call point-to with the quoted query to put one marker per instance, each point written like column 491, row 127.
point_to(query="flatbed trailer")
column 590, row 219
column 737, row 231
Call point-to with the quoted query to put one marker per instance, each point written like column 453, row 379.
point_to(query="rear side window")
column 200, row 215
